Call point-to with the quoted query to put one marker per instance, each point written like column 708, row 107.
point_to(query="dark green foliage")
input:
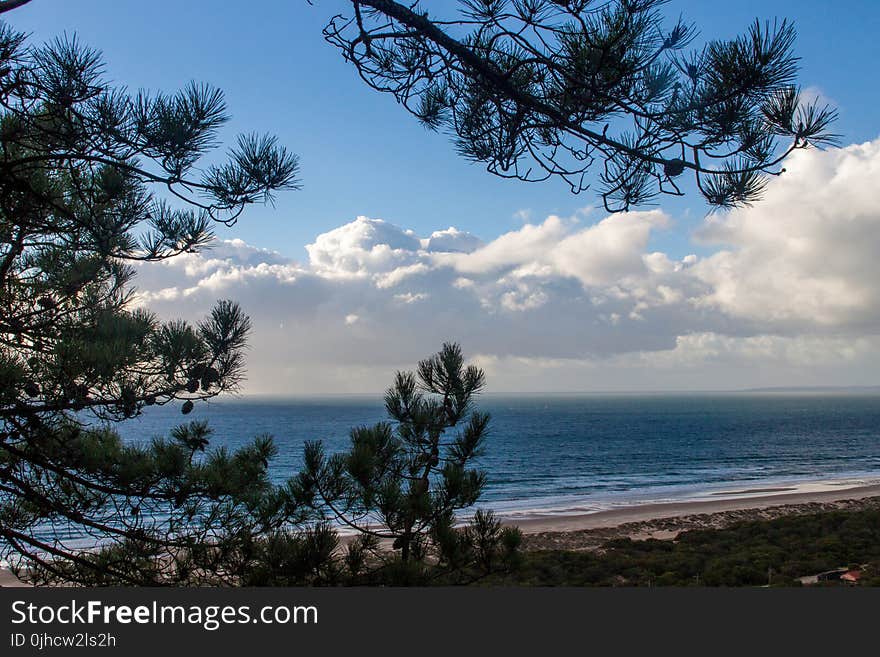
column 81, row 163
column 402, row 482
column 536, row 89
column 162, row 515
column 747, row 554
column 285, row 558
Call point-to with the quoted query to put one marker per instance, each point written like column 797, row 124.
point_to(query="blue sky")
column 784, row 293
column 361, row 154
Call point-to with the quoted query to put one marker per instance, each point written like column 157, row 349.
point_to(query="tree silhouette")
column 93, row 178
column 592, row 92
column 9, row 5
column 402, row 481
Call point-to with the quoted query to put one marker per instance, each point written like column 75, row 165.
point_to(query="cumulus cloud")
column 361, row 246
column 805, row 255
column 452, row 240
column 789, row 286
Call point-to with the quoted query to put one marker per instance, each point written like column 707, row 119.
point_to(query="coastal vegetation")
column 774, row 552
column 404, row 481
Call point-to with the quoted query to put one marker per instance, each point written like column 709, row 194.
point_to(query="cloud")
column 699, row 361
column 452, row 240
column 362, row 246
column 805, row 256
column 524, row 215
column 789, row 288
column 817, row 95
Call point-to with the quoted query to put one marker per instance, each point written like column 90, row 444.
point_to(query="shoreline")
column 665, row 520
column 655, row 511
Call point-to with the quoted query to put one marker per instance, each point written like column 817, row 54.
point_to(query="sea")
column 580, row 453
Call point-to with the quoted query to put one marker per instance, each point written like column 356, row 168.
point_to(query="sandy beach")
column 666, row 520
column 585, row 531
column 750, row 499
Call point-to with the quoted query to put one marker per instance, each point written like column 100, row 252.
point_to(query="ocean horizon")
column 573, row 453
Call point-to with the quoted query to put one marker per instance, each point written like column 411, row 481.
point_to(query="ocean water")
column 582, row 453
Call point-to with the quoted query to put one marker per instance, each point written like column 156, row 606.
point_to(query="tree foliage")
column 92, row 179
column 402, row 482
column 595, row 92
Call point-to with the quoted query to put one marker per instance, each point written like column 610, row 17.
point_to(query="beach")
column 664, row 521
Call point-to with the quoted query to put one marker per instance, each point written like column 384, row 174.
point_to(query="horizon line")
column 667, row 391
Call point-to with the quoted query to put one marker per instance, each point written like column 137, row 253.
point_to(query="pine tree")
column 401, row 483
column 92, row 179
column 594, row 92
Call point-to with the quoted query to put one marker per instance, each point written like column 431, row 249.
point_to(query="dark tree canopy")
column 9, row 5
column 93, row 178
column 402, row 482
column 596, row 92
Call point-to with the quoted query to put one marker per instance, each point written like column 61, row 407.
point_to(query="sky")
column 360, row 272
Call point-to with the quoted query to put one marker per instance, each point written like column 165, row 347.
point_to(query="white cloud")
column 792, row 289
column 814, row 94
column 806, row 255
column 362, row 246
column 397, row 276
column 452, row 240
